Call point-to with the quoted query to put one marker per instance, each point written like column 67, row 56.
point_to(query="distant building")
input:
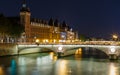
column 37, row 30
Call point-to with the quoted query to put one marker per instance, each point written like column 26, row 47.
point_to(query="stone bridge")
column 66, row 49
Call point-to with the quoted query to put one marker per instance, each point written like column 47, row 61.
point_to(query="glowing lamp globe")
column 60, row 49
column 112, row 49
column 37, row 40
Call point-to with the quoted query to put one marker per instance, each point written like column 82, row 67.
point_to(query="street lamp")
column 112, row 49
column 115, row 37
column 37, row 41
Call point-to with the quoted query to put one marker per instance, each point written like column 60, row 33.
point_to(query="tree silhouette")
column 4, row 24
column 10, row 27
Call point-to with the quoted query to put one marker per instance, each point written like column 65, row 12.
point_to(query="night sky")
column 96, row 18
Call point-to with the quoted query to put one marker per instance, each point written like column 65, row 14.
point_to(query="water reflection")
column 78, row 54
column 21, row 61
column 113, row 69
column 61, row 67
column 53, row 56
column 13, row 67
column 1, row 71
column 33, row 65
column 48, row 64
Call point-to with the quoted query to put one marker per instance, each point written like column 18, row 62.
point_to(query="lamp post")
column 115, row 37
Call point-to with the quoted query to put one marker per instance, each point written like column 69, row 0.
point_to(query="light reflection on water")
column 1, row 71
column 113, row 70
column 61, row 67
column 48, row 64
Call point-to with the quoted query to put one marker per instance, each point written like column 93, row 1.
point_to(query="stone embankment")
column 8, row 49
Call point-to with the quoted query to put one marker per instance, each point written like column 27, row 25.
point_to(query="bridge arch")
column 85, row 50
column 25, row 50
column 70, row 49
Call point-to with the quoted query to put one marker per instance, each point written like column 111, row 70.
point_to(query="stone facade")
column 40, row 31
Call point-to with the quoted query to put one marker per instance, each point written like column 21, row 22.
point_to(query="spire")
column 24, row 4
column 24, row 7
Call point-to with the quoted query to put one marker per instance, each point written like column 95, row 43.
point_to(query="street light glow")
column 115, row 36
column 60, row 48
column 37, row 40
column 112, row 49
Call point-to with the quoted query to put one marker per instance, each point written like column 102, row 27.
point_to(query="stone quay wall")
column 8, row 49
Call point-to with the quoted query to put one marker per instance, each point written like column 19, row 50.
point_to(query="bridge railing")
column 77, row 43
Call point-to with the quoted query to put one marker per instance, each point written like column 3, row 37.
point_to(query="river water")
column 49, row 64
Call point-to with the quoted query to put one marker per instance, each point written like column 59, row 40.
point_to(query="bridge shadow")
column 93, row 53
column 89, row 52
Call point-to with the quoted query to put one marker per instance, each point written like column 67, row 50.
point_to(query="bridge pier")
column 113, row 57
column 59, row 51
column 59, row 54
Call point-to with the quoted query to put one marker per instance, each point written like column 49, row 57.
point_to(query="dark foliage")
column 10, row 27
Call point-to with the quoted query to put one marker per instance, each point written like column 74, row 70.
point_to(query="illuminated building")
column 35, row 29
